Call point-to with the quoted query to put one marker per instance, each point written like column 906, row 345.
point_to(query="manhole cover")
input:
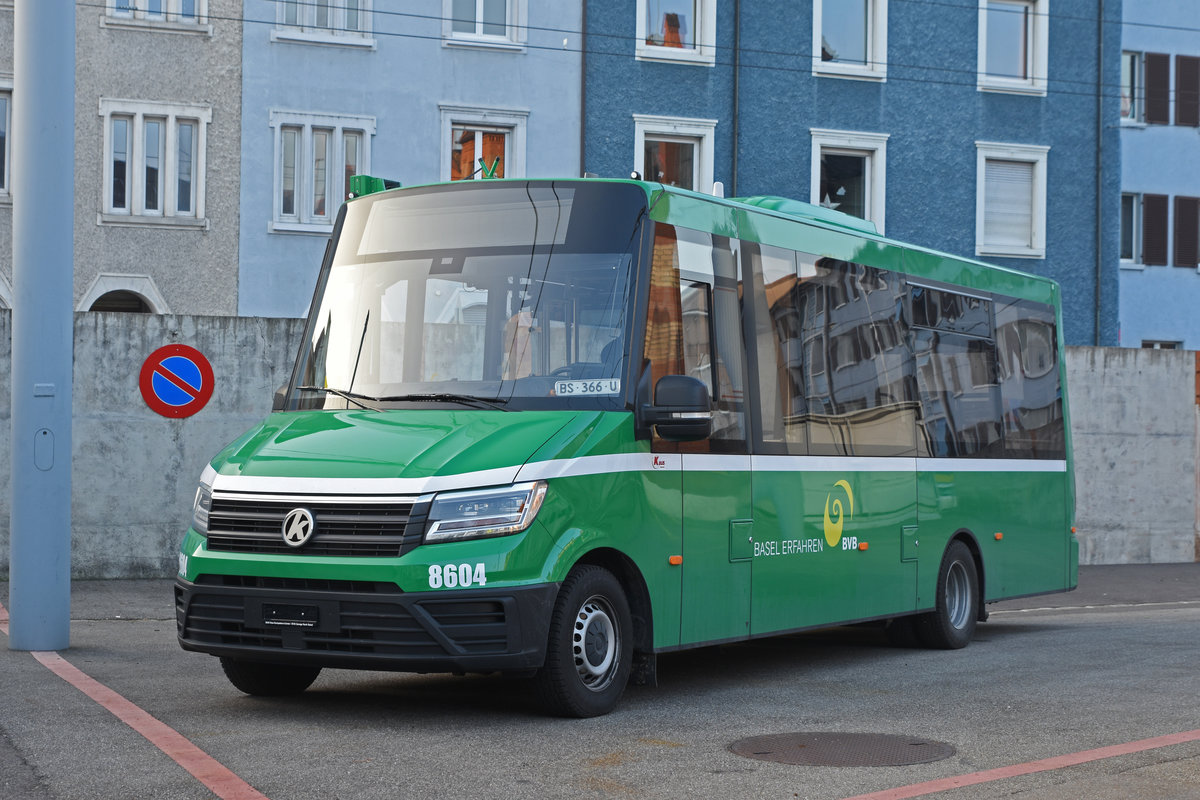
column 842, row 749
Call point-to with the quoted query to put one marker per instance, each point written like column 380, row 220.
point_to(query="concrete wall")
column 1133, row 412
column 135, row 472
column 1134, row 425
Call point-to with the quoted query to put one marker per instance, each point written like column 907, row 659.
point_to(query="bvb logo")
column 833, row 526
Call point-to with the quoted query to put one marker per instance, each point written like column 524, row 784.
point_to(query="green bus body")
column 867, row 405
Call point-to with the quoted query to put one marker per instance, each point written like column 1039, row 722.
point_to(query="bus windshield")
column 513, row 295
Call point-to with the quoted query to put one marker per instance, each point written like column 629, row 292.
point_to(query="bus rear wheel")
column 268, row 680
column 952, row 622
column 588, row 652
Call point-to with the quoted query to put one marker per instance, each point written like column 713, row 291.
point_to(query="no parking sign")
column 176, row 380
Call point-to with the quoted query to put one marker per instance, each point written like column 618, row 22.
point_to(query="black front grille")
column 343, row 526
column 474, row 627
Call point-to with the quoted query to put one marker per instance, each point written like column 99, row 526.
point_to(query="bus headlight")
column 490, row 512
column 201, row 507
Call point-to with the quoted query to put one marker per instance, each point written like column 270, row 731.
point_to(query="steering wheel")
column 560, row 372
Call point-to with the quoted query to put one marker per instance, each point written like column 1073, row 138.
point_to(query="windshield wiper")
column 350, row 397
column 462, row 399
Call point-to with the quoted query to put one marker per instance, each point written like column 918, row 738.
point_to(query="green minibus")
column 554, row 428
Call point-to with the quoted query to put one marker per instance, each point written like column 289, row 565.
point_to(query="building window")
column 677, row 30
column 1131, row 87
column 472, row 134
column 849, row 171
column 1013, row 45
column 1157, row 82
column 1187, row 232
column 154, row 161
column 1131, row 223
column 1010, row 200
column 171, row 15
column 315, row 156
column 5, row 126
column 850, row 38
column 484, row 23
column 336, row 22
column 1156, row 344
column 1187, row 91
column 478, row 151
column 676, row 151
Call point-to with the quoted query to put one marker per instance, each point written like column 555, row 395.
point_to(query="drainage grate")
column 842, row 749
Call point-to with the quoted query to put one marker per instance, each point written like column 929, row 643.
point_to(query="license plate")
column 290, row 616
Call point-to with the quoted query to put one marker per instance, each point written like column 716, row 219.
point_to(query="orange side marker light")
column 675, row 561
column 862, row 545
column 999, row 536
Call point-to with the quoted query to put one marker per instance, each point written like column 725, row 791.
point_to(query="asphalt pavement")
column 1109, row 665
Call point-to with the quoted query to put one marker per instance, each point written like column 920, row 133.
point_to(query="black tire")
column 268, row 680
column 951, row 624
column 589, row 650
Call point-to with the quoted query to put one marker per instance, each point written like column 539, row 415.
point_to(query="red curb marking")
column 1030, row 767
column 218, row 778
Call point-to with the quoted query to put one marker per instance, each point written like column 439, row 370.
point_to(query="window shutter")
column 1008, row 203
column 1154, row 229
column 1158, row 89
column 1187, row 90
column 1187, row 228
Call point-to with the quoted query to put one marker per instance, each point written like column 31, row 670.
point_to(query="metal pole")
column 43, row 191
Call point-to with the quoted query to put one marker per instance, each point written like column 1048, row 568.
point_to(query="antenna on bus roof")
column 718, row 189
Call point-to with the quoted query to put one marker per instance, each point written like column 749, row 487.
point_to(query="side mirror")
column 280, row 401
column 681, row 411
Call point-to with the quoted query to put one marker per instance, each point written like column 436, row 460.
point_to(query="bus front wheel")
column 588, row 652
column 952, row 622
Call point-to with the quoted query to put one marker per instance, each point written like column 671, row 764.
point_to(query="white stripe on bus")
column 618, row 463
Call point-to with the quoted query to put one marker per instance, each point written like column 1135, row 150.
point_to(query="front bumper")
column 364, row 624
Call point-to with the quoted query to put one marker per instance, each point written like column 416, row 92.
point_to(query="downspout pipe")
column 583, row 64
column 1099, row 173
column 737, row 69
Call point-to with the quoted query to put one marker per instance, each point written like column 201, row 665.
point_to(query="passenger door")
column 695, row 329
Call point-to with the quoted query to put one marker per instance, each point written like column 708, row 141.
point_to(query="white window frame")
column 515, row 120
column 135, row 212
column 877, row 37
column 703, row 54
column 1136, row 261
column 6, row 86
column 514, row 38
column 1037, row 155
column 1137, row 99
column 137, row 14
column 1038, row 59
column 700, row 132
column 306, row 31
column 873, row 146
column 304, row 220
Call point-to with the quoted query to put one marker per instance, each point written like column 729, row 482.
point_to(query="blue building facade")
column 417, row 92
column 983, row 128
column 1160, row 174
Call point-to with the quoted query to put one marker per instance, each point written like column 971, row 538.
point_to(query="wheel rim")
column 958, row 595
column 594, row 643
